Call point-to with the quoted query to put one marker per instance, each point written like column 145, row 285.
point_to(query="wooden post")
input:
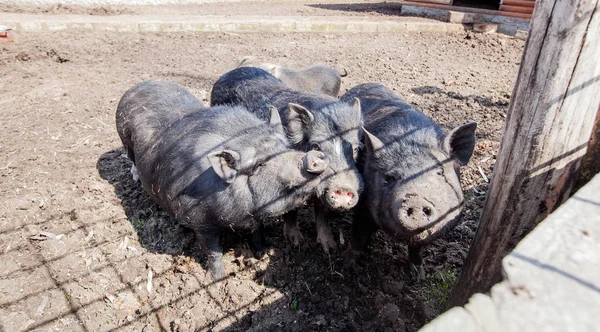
column 591, row 161
column 548, row 126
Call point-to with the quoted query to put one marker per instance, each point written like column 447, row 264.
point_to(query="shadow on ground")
column 314, row 291
column 385, row 8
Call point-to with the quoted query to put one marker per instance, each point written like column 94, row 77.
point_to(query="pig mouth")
column 336, row 208
column 427, row 235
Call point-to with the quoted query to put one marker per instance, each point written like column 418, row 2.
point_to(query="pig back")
column 147, row 109
column 256, row 90
column 387, row 116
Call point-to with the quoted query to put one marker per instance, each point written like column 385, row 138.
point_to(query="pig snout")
column 416, row 213
column 342, row 198
column 315, row 162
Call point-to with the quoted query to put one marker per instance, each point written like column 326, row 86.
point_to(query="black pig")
column 411, row 170
column 313, row 122
column 212, row 168
column 315, row 79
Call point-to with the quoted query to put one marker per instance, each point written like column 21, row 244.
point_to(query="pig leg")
column 134, row 173
column 215, row 254
column 416, row 262
column 324, row 236
column 291, row 230
column 363, row 229
column 256, row 241
column 414, row 255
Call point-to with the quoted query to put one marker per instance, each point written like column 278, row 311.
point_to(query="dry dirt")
column 62, row 171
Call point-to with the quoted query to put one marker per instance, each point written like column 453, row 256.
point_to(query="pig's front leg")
column 324, row 235
column 291, row 230
column 256, row 241
column 135, row 174
column 363, row 229
column 215, row 254
column 414, row 255
column 416, row 262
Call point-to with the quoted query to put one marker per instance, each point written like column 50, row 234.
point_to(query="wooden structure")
column 551, row 279
column 510, row 8
column 549, row 123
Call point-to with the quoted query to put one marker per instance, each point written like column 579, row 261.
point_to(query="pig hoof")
column 417, row 272
column 327, row 242
column 217, row 275
column 259, row 252
column 293, row 234
column 217, row 272
column 134, row 173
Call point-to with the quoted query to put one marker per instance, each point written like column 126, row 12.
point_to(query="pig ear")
column 460, row 142
column 299, row 120
column 356, row 109
column 275, row 120
column 225, row 164
column 373, row 143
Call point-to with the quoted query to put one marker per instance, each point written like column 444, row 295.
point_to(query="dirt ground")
column 365, row 8
column 114, row 260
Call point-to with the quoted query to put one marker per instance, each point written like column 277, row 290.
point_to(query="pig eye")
column 256, row 167
column 390, row 177
column 440, row 172
column 315, row 147
column 355, row 152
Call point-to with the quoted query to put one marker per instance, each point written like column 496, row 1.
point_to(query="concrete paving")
column 224, row 23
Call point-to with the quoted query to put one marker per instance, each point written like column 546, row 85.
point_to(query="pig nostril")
column 427, row 211
column 314, row 165
column 337, row 192
column 350, row 195
column 409, row 211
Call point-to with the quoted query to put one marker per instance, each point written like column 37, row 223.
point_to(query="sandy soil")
column 119, row 262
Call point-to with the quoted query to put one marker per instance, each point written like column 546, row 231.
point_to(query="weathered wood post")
column 549, row 122
column 591, row 161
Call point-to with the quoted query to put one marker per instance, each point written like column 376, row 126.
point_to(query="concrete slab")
column 174, row 23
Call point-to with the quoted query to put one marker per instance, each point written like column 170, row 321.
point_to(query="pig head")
column 413, row 180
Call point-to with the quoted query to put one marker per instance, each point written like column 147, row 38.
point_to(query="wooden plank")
column 519, row 3
column 591, row 161
column 548, row 126
column 466, row 9
column 456, row 319
column 551, row 278
column 516, row 9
